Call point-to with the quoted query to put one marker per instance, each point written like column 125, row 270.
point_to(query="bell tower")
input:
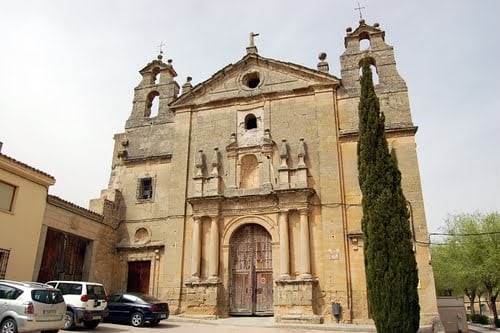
column 368, row 41
column 157, row 87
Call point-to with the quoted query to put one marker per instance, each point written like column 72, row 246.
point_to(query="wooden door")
column 251, row 285
column 63, row 257
column 138, row 276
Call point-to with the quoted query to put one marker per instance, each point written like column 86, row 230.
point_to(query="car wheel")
column 69, row 320
column 155, row 322
column 8, row 326
column 137, row 319
column 91, row 323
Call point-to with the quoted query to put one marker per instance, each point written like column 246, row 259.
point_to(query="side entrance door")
column 251, row 284
column 138, row 276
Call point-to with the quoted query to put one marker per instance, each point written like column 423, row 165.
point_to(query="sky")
column 68, row 71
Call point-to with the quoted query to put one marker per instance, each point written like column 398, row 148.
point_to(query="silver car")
column 30, row 306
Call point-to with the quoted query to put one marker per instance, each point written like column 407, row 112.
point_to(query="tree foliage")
column 391, row 268
column 468, row 262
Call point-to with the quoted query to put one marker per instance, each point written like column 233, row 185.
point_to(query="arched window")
column 250, row 122
column 373, row 67
column 249, row 172
column 152, row 104
column 364, row 41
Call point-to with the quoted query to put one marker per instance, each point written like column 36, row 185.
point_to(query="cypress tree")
column 390, row 264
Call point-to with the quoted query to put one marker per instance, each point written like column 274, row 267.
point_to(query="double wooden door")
column 251, row 285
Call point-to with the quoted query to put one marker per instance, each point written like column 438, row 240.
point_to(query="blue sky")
column 68, row 69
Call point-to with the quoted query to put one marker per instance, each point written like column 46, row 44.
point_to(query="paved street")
column 239, row 324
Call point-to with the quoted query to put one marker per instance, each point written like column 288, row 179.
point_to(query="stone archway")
column 251, row 273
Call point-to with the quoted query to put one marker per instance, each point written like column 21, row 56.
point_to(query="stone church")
column 239, row 196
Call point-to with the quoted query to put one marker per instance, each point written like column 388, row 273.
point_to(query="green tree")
column 391, row 268
column 472, row 250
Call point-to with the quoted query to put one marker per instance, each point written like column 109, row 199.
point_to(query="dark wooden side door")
column 138, row 276
column 251, row 280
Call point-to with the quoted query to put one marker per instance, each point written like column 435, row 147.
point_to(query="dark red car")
column 136, row 309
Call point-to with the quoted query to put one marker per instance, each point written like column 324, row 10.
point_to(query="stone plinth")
column 202, row 299
column 294, row 302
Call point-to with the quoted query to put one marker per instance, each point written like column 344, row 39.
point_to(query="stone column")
column 284, row 246
column 196, row 250
column 305, row 250
column 213, row 263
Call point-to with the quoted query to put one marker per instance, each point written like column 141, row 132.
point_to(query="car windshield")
column 47, row 296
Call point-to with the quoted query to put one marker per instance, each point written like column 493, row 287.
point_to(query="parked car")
column 136, row 309
column 30, row 306
column 86, row 302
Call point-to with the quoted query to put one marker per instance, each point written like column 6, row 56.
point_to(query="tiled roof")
column 26, row 166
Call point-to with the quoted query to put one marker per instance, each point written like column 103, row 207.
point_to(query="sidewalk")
column 482, row 328
column 270, row 323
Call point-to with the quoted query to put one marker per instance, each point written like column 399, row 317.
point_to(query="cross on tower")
column 161, row 47
column 359, row 8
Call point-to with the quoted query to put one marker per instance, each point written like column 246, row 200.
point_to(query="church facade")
column 240, row 196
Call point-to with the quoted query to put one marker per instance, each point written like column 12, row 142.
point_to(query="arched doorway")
column 251, row 277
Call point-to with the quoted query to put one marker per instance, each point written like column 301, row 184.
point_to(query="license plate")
column 96, row 317
column 49, row 311
column 163, row 316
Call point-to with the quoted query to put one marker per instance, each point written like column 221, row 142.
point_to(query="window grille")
column 4, row 259
column 145, row 189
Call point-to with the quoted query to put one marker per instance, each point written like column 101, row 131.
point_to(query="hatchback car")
column 136, row 309
column 30, row 306
column 86, row 302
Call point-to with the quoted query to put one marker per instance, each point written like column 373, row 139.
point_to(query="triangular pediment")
column 254, row 75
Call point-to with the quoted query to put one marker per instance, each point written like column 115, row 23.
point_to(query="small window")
column 145, row 189
column 7, row 193
column 4, row 259
column 250, row 122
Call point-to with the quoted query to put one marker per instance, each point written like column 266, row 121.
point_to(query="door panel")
column 264, row 293
column 242, row 301
column 251, row 289
column 138, row 276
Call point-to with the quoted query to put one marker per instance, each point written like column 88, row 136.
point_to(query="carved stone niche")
column 249, row 171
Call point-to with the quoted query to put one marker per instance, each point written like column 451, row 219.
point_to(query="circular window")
column 251, row 80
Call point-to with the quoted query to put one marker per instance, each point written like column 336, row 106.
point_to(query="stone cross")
column 252, row 42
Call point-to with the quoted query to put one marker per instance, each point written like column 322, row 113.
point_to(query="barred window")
column 4, row 259
column 7, row 192
column 145, row 189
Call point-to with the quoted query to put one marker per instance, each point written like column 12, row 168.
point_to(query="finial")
column 186, row 87
column 160, row 56
column 323, row 64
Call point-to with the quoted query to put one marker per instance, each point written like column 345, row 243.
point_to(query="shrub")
column 480, row 319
